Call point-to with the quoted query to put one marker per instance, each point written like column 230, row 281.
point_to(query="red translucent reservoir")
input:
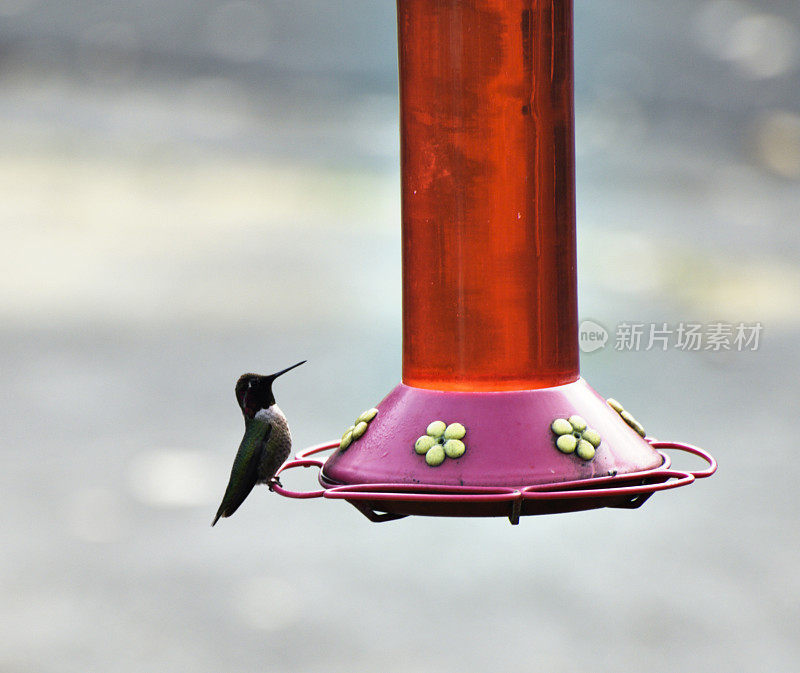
column 488, row 194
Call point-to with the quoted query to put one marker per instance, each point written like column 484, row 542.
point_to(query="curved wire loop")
column 630, row 490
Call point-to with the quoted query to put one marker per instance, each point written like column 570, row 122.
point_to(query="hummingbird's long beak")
column 283, row 371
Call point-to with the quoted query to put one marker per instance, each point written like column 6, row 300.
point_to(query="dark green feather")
column 244, row 473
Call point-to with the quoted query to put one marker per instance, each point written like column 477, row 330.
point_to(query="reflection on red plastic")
column 488, row 194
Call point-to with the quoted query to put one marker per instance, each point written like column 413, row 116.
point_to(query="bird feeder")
column 492, row 417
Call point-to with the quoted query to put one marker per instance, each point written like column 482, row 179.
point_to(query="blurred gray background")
column 193, row 189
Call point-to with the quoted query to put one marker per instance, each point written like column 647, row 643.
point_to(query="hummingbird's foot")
column 273, row 482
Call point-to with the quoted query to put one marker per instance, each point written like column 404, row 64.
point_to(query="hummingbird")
column 266, row 444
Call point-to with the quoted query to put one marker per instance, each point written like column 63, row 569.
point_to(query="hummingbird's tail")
column 244, row 476
column 232, row 501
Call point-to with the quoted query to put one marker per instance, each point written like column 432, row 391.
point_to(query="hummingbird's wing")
column 244, row 473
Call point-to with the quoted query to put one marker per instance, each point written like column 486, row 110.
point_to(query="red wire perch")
column 440, row 499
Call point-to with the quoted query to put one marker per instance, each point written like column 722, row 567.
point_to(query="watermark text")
column 684, row 336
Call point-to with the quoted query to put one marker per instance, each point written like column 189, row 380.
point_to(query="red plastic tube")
column 488, row 194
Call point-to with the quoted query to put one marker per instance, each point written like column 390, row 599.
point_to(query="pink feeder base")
column 511, row 466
